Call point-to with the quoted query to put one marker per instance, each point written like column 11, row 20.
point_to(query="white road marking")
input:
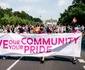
column 84, row 67
column 14, row 64
column 81, row 60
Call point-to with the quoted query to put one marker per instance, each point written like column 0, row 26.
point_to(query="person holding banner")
column 41, row 30
column 75, row 30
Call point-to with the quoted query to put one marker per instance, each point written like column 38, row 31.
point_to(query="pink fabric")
column 75, row 31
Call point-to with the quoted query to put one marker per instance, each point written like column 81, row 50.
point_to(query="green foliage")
column 76, row 10
column 16, row 18
column 5, row 20
column 37, row 20
column 78, row 1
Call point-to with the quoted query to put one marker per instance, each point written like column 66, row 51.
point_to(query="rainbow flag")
column 74, row 20
column 36, row 29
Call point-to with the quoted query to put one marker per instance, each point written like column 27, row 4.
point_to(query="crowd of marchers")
column 39, row 29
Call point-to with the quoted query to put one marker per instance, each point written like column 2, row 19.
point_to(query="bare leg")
column 42, row 59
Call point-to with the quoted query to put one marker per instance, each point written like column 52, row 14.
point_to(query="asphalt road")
column 51, row 63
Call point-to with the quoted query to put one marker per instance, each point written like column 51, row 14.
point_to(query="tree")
column 38, row 20
column 75, row 10
column 16, row 17
column 78, row 1
column 8, row 11
column 5, row 20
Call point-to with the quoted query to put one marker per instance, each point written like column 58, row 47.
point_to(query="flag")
column 74, row 20
column 36, row 29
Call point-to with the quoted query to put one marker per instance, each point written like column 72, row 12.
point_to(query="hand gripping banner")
column 37, row 45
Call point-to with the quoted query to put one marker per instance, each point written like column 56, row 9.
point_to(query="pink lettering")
column 23, row 41
column 60, row 40
column 30, row 41
column 49, row 48
column 32, row 49
column 36, row 42
column 5, row 44
column 10, row 41
column 54, row 41
column 42, row 49
column 70, row 39
column 0, row 42
column 66, row 41
column 26, row 48
column 75, row 40
column 46, row 41
column 36, row 49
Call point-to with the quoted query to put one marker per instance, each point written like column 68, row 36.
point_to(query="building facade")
column 51, row 22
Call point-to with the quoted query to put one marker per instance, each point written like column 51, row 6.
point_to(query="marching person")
column 41, row 30
column 75, row 30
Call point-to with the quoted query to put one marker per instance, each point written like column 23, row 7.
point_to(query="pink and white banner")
column 37, row 45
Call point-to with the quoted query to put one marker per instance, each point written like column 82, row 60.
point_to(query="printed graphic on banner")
column 38, row 45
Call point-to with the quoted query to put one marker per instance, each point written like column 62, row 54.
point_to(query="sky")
column 44, row 9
